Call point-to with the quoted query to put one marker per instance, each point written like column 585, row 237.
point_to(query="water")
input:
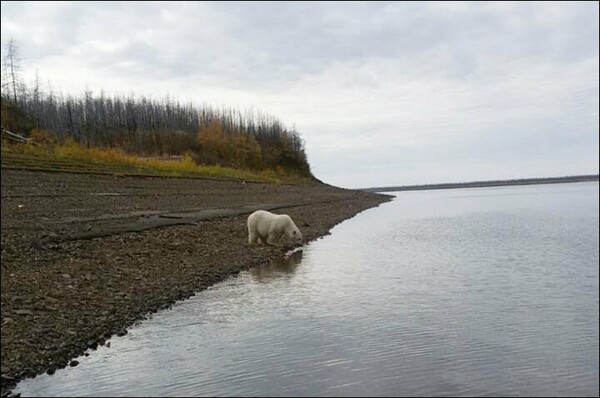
column 486, row 291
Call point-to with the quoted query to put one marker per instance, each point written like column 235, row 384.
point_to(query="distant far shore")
column 482, row 184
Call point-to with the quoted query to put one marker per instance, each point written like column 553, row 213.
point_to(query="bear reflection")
column 277, row 267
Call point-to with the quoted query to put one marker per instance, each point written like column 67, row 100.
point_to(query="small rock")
column 66, row 276
column 74, row 363
column 23, row 312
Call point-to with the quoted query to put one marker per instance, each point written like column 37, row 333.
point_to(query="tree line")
column 227, row 137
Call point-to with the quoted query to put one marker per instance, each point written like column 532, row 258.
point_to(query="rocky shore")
column 86, row 256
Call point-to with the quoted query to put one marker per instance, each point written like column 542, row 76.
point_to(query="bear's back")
column 262, row 220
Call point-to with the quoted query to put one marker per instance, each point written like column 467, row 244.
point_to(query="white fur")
column 266, row 227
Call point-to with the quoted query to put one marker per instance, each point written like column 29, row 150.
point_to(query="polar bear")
column 264, row 226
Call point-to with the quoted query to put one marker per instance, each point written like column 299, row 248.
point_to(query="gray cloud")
column 381, row 85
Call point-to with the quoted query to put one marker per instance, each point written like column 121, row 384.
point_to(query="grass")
column 73, row 157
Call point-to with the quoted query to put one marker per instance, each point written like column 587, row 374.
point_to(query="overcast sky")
column 382, row 93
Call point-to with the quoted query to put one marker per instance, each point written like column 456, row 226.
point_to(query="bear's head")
column 293, row 233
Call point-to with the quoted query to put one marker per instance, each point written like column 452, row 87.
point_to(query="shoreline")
column 64, row 293
column 487, row 184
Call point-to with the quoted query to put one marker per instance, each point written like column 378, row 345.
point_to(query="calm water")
column 488, row 291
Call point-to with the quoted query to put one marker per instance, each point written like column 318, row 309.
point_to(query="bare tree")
column 11, row 69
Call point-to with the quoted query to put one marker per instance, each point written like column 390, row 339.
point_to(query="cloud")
column 432, row 88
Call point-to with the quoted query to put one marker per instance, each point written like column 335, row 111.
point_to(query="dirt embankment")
column 85, row 256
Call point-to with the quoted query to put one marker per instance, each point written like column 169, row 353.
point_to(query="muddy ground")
column 85, row 256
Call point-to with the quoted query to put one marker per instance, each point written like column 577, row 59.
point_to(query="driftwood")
column 15, row 137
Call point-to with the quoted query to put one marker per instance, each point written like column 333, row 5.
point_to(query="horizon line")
column 515, row 181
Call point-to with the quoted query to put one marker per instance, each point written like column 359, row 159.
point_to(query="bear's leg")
column 273, row 238
column 252, row 237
